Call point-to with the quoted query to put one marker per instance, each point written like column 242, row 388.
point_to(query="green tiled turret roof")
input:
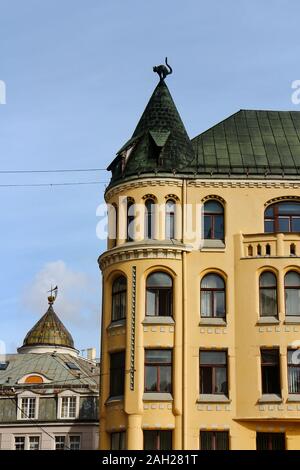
column 50, row 331
column 159, row 144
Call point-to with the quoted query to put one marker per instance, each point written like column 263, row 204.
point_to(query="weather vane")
column 53, row 295
column 163, row 70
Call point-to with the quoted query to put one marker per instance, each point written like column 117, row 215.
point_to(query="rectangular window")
column 68, row 407
column 294, row 371
column 20, row 443
column 60, row 442
column 213, row 372
column 117, row 440
column 158, row 370
column 157, row 440
column 270, row 441
column 214, row 440
column 34, row 442
column 270, row 371
column 28, row 408
column 74, row 442
column 117, row 374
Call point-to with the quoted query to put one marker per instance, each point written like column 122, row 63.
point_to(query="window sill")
column 292, row 320
column 149, row 396
column 158, row 321
column 112, row 400
column 293, row 398
column 212, row 322
column 116, row 324
column 270, row 398
column 268, row 321
column 213, row 245
column 211, row 398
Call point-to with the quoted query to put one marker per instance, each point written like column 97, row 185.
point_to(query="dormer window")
column 68, row 406
column 27, row 408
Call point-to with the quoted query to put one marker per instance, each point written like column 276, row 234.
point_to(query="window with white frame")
column 60, row 442
column 68, row 407
column 68, row 442
column 27, row 442
column 74, row 442
column 34, row 443
column 27, row 408
column 19, row 442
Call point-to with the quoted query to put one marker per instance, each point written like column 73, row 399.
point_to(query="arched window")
column 170, row 219
column 130, row 221
column 292, row 293
column 159, row 293
column 119, row 292
column 149, row 218
column 213, row 296
column 213, row 220
column 283, row 217
column 268, row 294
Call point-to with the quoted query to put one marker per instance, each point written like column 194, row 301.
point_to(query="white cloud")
column 77, row 300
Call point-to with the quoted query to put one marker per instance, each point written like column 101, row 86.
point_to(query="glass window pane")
column 269, row 212
column 295, row 224
column 151, row 378
column 151, row 296
column 270, row 356
column 283, row 224
column 269, row 226
column 212, row 281
column 221, row 380
column 290, row 208
column 267, row 279
column 213, row 207
column 206, row 380
column 158, row 356
column 159, row 279
column 206, row 440
column 164, row 302
column 219, row 304
column 165, row 438
column 119, row 284
column 218, row 227
column 150, row 440
column 213, row 357
column 206, row 304
column 222, row 440
column 207, row 227
column 294, row 379
column 292, row 279
column 292, row 301
column 165, row 379
column 268, row 302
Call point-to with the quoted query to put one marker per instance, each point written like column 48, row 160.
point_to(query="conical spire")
column 159, row 144
column 49, row 330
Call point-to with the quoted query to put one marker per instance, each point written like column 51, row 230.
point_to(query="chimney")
column 91, row 354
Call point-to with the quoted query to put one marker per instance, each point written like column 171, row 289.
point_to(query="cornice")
column 145, row 183
column 142, row 251
column 200, row 183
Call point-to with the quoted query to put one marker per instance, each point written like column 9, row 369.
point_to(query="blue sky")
column 78, row 76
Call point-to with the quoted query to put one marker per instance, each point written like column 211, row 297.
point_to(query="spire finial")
column 53, row 295
column 163, row 70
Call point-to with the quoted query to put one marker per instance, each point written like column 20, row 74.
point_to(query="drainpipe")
column 184, row 321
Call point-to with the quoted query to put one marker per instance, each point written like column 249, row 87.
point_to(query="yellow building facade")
column 201, row 293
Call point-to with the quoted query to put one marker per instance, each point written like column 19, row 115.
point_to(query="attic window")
column 34, row 379
column 72, row 366
column 3, row 365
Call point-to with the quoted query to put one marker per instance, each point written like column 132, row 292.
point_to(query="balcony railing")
column 270, row 245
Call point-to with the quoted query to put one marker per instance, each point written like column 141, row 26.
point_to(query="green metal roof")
column 49, row 330
column 52, row 366
column 253, row 143
column 249, row 144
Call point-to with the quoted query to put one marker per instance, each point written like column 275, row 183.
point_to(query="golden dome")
column 49, row 331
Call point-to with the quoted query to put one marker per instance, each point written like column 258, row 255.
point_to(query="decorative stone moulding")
column 122, row 254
